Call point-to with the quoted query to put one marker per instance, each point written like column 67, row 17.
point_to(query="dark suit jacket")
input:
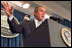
column 26, row 27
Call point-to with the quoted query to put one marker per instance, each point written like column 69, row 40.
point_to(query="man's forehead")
column 42, row 7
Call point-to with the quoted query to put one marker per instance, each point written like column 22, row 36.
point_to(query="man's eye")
column 41, row 10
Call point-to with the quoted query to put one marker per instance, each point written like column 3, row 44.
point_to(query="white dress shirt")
column 36, row 21
column 11, row 17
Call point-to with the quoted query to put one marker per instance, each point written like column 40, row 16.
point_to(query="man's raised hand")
column 9, row 10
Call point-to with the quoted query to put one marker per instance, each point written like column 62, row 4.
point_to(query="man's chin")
column 42, row 19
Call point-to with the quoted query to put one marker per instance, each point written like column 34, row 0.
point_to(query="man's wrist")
column 11, row 17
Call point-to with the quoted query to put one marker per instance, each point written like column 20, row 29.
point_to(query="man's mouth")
column 42, row 16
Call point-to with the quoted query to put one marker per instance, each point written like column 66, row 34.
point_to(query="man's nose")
column 43, row 13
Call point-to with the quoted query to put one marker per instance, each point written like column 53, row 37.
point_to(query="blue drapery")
column 66, row 23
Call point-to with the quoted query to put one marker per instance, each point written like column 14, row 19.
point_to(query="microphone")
column 58, row 19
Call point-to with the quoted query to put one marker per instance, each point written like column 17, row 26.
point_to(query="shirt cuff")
column 10, row 18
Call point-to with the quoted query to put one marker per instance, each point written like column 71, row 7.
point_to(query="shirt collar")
column 36, row 20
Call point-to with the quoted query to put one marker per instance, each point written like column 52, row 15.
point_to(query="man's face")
column 40, row 14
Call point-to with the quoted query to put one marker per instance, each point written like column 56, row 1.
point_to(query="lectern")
column 48, row 34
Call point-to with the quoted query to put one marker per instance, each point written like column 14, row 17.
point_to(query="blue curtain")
column 66, row 23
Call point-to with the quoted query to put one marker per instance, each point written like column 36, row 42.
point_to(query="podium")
column 48, row 34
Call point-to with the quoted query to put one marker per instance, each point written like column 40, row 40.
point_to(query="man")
column 26, row 27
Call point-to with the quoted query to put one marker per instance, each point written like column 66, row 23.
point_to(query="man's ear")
column 34, row 13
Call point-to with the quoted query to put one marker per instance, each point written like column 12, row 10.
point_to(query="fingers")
column 4, row 4
column 8, row 5
column 2, row 9
column 12, row 9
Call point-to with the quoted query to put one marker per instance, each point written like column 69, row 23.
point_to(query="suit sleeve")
column 15, row 26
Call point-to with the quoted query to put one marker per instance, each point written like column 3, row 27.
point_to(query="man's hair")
column 36, row 9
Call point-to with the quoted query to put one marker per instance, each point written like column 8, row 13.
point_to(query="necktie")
column 38, row 23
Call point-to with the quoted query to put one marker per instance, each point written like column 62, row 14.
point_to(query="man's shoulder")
column 27, row 21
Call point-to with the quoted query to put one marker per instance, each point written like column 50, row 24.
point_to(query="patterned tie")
column 38, row 23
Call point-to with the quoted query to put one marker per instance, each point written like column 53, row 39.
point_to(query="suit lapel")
column 32, row 25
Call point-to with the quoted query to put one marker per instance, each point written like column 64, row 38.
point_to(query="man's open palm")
column 7, row 9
